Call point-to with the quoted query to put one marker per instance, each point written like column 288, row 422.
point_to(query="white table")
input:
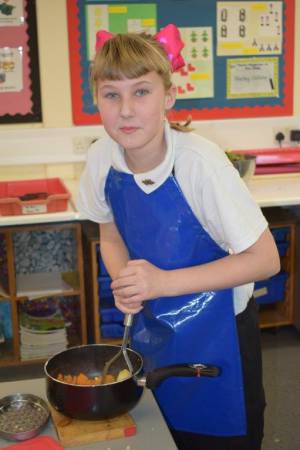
column 152, row 432
column 267, row 190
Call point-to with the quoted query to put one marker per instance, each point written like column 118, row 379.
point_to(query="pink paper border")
column 13, row 103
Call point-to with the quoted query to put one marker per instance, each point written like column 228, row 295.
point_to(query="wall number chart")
column 239, row 54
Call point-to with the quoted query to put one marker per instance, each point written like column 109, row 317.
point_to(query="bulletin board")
column 239, row 54
column 20, row 99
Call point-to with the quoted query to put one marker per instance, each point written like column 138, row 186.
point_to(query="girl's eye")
column 142, row 92
column 111, row 95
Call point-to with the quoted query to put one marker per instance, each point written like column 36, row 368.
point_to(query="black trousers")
column 250, row 348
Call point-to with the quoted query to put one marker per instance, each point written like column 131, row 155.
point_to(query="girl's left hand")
column 137, row 282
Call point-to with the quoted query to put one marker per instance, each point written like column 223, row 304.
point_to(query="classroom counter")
column 267, row 190
column 152, row 432
column 276, row 190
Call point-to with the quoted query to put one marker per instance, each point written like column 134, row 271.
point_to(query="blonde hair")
column 132, row 55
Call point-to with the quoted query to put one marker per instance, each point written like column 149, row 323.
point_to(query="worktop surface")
column 275, row 190
column 152, row 432
column 267, row 190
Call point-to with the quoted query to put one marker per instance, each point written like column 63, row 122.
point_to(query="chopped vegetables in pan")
column 84, row 380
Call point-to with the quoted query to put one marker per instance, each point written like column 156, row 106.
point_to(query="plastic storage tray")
column 102, row 268
column 112, row 330
column 41, row 196
column 271, row 290
column 104, row 287
column 111, row 319
column 282, row 248
column 280, row 234
column 109, row 313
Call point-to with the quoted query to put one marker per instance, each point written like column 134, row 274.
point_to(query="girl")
column 182, row 240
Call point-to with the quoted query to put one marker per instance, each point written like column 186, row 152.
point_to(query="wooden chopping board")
column 72, row 432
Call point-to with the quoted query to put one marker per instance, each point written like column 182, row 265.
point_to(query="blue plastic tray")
column 104, row 287
column 282, row 248
column 112, row 330
column 101, row 266
column 280, row 234
column 111, row 315
column 271, row 290
column 108, row 312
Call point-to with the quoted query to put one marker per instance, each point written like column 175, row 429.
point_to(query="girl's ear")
column 170, row 97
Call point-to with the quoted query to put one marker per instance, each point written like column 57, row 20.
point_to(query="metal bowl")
column 245, row 166
column 22, row 416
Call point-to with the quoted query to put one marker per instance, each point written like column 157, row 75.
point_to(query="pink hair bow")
column 101, row 37
column 169, row 37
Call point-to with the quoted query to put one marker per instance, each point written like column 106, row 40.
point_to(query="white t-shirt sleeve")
column 231, row 215
column 91, row 198
column 219, row 198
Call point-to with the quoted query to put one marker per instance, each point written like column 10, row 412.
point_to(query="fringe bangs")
column 130, row 57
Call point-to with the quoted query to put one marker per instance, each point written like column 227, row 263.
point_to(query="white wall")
column 53, row 139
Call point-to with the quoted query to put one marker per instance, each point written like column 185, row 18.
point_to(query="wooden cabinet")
column 42, row 297
column 296, row 320
column 280, row 309
column 96, row 309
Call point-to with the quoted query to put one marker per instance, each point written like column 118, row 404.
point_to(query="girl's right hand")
column 127, row 308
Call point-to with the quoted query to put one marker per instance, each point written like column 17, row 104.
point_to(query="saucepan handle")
column 154, row 378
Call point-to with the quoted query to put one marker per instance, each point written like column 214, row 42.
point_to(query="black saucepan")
column 103, row 401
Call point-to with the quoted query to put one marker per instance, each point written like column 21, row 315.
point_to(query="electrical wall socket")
column 295, row 135
column 286, row 134
column 82, row 143
column 286, row 131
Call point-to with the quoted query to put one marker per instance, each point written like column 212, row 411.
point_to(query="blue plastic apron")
column 198, row 328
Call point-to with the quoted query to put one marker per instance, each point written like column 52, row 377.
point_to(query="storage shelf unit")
column 280, row 312
column 92, row 272
column 42, row 284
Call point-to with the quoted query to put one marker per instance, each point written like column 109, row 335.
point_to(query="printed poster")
column 252, row 77
column 195, row 79
column 118, row 19
column 11, row 69
column 249, row 28
column 11, row 13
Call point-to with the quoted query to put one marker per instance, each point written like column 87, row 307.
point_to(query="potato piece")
column 82, row 379
column 123, row 374
column 108, row 379
column 68, row 379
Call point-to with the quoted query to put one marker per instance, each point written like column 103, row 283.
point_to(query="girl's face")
column 133, row 112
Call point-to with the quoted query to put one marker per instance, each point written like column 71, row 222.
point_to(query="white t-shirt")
column 211, row 185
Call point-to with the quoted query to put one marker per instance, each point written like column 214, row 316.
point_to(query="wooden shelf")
column 282, row 312
column 272, row 317
column 276, row 314
column 6, row 350
column 3, row 293
column 65, row 283
column 91, row 267
column 36, row 285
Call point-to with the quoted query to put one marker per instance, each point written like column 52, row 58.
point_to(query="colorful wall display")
column 20, row 99
column 239, row 54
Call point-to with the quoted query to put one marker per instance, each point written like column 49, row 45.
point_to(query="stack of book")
column 2, row 335
column 5, row 321
column 42, row 336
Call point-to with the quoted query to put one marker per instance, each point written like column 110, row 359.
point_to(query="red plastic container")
column 38, row 443
column 274, row 160
column 47, row 195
